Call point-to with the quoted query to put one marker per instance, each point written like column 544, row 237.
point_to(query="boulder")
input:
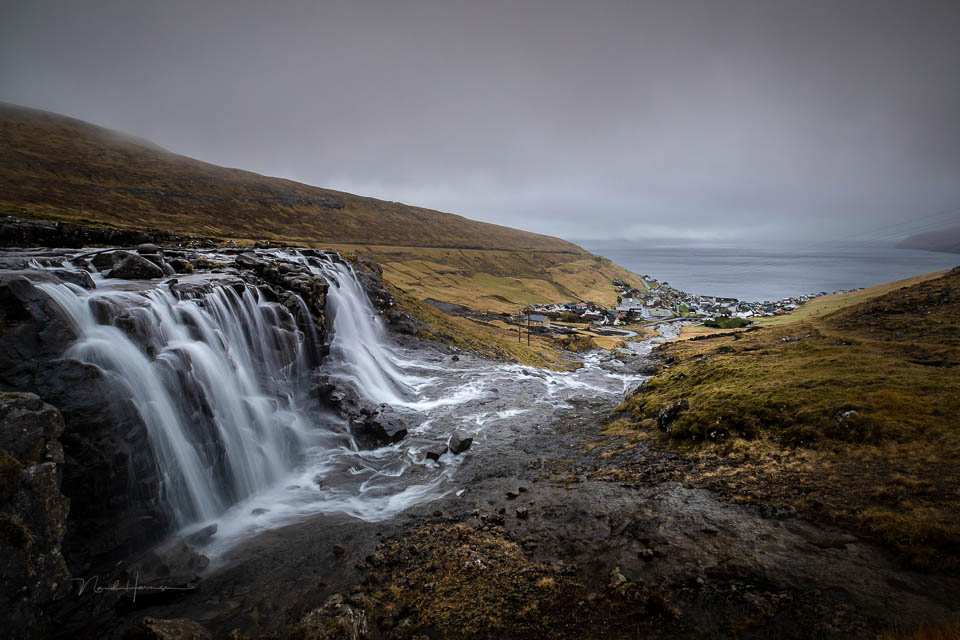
column 669, row 414
column 136, row 267
column 148, row 248
column 181, row 265
column 377, row 431
column 33, row 515
column 434, row 454
column 108, row 259
column 459, row 444
column 79, row 278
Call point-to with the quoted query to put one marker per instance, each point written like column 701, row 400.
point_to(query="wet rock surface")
column 110, row 472
column 33, row 515
column 540, row 504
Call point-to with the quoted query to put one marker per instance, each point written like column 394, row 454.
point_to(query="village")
column 658, row 302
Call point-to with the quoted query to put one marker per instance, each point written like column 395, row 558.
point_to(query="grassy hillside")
column 847, row 412
column 58, row 168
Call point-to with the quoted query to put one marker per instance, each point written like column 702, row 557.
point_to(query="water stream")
column 221, row 378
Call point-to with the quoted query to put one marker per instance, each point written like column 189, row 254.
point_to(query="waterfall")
column 360, row 352
column 217, row 379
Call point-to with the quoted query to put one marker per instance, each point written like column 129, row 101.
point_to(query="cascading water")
column 215, row 379
column 222, row 378
column 360, row 349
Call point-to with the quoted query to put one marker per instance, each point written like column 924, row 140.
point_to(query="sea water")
column 770, row 272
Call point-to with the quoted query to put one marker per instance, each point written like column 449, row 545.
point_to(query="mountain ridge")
column 42, row 149
column 62, row 169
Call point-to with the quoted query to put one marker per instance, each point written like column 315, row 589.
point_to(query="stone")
column 459, row 444
column 249, row 261
column 513, row 494
column 669, row 414
column 107, row 259
column 79, row 278
column 339, row 550
column 148, row 248
column 33, row 515
column 135, row 267
column 202, row 536
column 646, row 555
column 523, row 513
column 180, row 265
column 435, row 454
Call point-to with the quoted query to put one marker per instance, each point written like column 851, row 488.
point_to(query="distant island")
column 944, row 240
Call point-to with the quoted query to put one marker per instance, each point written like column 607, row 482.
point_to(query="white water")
column 221, row 381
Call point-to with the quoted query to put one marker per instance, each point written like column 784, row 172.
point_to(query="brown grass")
column 929, row 631
column 453, row 581
column 61, row 169
column 849, row 416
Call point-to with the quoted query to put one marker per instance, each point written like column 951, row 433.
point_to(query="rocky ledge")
column 33, row 514
column 110, row 474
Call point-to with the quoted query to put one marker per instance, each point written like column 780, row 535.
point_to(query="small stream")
column 222, row 377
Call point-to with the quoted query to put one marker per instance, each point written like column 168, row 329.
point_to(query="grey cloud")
column 742, row 118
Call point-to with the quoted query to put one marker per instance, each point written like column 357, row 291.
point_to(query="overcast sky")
column 718, row 119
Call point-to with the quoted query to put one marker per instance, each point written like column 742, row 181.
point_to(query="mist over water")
column 756, row 272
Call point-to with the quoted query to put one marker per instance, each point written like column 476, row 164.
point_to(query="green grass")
column 726, row 323
column 863, row 398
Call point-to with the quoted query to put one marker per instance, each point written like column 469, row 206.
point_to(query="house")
column 536, row 320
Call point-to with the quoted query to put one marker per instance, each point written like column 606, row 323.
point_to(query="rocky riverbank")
column 547, row 540
column 547, row 526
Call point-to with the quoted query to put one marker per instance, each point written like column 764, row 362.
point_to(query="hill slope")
column 59, row 168
column 848, row 413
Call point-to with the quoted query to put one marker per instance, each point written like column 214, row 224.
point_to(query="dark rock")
column 79, row 278
column 459, row 444
column 435, row 454
column 148, row 248
column 249, row 261
column 669, row 414
column 108, row 259
column 646, row 555
column 202, row 536
column 172, row 629
column 522, row 513
column 33, row 515
column 259, row 511
column 339, row 549
column 371, row 426
column 455, row 358
column 513, row 494
column 648, row 369
column 404, row 323
column 109, row 471
column 136, row 267
column 181, row 265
